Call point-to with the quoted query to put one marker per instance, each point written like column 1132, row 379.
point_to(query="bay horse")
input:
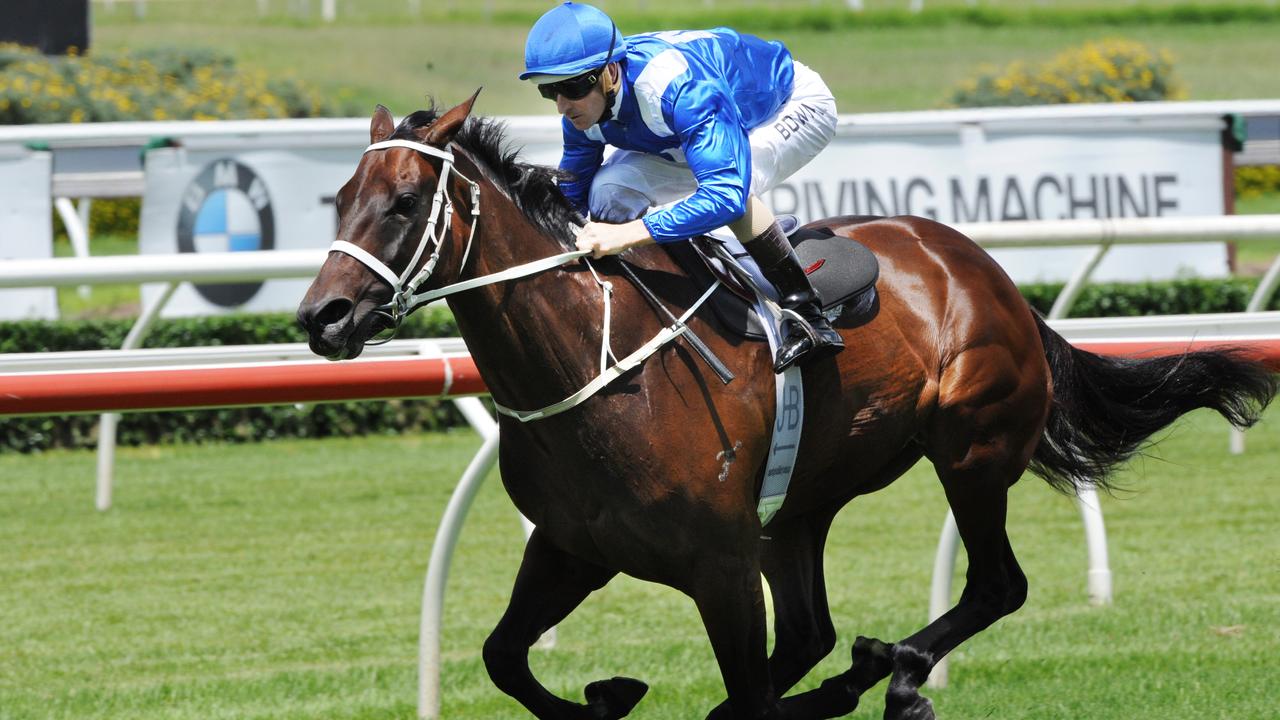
column 657, row 475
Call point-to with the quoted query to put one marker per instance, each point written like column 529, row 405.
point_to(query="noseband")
column 403, row 300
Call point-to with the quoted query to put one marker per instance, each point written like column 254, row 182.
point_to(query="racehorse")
column 657, row 475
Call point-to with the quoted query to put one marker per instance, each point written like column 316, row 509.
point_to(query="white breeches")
column 629, row 183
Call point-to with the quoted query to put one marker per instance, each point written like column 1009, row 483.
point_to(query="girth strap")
column 664, row 336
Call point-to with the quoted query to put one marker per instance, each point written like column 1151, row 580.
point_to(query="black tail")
column 1105, row 408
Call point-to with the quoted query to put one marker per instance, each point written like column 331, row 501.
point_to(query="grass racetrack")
column 868, row 69
column 283, row 580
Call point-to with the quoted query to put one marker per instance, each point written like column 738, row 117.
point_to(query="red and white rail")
column 1265, row 350
column 232, row 385
column 97, row 381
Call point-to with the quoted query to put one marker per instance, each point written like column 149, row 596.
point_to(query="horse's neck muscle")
column 536, row 339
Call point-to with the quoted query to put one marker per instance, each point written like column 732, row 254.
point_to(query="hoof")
column 614, row 698
column 872, row 662
column 917, row 707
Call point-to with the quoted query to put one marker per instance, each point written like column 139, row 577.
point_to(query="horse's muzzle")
column 330, row 328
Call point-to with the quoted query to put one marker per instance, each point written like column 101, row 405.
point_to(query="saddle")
column 843, row 271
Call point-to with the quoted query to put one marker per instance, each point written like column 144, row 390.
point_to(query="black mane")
column 533, row 188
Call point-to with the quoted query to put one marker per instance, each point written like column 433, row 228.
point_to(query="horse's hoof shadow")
column 614, row 698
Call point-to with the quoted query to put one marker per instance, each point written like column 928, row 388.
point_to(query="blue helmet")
column 569, row 40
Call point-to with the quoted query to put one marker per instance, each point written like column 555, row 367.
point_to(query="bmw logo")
column 226, row 208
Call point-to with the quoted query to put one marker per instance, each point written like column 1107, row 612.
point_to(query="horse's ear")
column 382, row 126
column 441, row 132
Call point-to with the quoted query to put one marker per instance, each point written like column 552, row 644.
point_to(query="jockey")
column 704, row 122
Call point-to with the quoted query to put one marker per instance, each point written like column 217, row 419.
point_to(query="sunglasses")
column 574, row 88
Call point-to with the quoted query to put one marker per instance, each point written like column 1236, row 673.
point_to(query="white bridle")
column 404, row 300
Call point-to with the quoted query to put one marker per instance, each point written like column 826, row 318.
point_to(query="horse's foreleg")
column 871, row 659
column 730, row 600
column 549, row 585
column 791, row 559
column 792, row 563
column 803, row 630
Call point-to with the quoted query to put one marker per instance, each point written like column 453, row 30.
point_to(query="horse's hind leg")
column 994, row 587
column 987, row 425
column 549, row 585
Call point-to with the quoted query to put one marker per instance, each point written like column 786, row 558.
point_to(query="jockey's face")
column 583, row 112
column 587, row 110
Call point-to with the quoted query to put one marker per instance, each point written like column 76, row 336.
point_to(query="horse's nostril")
column 333, row 312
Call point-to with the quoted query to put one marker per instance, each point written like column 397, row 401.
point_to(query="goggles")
column 575, row 88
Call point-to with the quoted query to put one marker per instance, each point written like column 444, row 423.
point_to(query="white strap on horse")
column 664, row 336
column 405, row 300
column 513, row 273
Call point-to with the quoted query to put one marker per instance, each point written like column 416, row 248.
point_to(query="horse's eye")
column 406, row 203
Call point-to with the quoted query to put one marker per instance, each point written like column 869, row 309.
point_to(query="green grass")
column 1262, row 204
column 870, row 69
column 1255, row 255
column 283, row 581
column 100, row 300
column 287, row 12
column 385, row 10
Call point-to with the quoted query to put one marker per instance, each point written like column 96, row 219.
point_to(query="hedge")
column 1254, row 181
column 151, row 84
column 1188, row 296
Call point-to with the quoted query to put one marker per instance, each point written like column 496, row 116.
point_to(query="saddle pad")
column 838, row 267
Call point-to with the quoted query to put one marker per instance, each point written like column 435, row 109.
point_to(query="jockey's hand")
column 606, row 239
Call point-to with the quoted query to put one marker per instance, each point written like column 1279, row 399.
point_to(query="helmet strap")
column 611, row 83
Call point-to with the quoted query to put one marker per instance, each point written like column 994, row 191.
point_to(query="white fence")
column 102, row 159
column 244, row 266
column 240, row 266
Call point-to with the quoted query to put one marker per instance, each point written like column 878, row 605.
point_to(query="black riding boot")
column 812, row 339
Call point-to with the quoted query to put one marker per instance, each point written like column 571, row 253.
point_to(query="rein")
column 406, row 299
